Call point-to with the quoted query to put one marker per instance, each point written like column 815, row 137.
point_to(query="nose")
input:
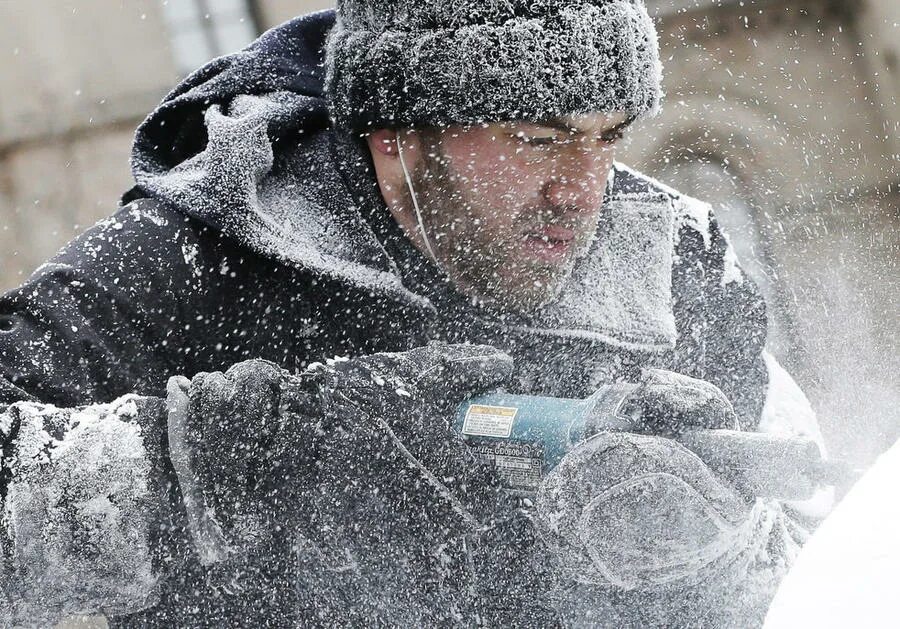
column 578, row 181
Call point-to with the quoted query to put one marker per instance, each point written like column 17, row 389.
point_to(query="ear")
column 384, row 141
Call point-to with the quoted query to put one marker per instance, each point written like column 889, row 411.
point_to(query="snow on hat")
column 413, row 63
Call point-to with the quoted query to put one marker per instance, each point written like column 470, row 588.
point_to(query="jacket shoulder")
column 107, row 315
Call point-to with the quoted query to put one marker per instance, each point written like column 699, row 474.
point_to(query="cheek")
column 499, row 193
column 490, row 170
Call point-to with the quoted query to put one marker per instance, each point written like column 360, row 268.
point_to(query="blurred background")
column 783, row 113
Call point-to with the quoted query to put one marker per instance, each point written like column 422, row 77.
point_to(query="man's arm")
column 105, row 317
column 722, row 325
column 85, row 521
column 722, row 328
column 788, row 412
column 719, row 313
column 85, row 492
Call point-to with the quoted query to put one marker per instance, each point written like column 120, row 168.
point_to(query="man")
column 431, row 180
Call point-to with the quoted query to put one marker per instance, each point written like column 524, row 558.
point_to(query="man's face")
column 507, row 208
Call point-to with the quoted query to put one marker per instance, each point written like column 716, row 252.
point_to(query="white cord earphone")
column 415, row 201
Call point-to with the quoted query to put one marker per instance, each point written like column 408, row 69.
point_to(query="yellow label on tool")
column 489, row 421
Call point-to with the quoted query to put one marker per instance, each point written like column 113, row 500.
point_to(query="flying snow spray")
column 525, row 437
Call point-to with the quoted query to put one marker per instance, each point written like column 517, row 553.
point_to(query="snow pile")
column 847, row 575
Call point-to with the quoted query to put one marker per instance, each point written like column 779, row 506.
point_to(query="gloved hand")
column 632, row 511
column 388, row 512
column 668, row 402
column 407, row 527
column 642, row 533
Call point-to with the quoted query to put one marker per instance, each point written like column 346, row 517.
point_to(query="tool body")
column 525, row 437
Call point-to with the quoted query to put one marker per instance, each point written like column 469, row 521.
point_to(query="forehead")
column 588, row 124
column 579, row 123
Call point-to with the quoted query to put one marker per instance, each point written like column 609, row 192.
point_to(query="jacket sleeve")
column 86, row 490
column 106, row 316
column 88, row 521
column 719, row 312
column 788, row 412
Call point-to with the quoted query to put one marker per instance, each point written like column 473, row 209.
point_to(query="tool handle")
column 760, row 464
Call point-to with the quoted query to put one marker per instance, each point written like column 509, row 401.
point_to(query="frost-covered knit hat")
column 413, row 63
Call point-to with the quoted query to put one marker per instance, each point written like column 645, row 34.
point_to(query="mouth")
column 551, row 243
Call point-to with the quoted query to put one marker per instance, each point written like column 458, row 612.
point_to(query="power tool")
column 526, row 436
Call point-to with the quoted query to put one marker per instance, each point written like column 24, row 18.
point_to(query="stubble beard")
column 482, row 268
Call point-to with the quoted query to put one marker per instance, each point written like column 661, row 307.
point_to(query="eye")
column 538, row 140
column 611, row 137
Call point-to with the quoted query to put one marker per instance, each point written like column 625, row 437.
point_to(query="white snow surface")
column 848, row 573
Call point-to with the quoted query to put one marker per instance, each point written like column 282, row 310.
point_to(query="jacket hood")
column 244, row 145
column 238, row 146
column 288, row 58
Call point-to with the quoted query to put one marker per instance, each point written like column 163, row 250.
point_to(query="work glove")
column 665, row 403
column 239, row 455
column 390, row 518
column 407, row 527
column 643, row 533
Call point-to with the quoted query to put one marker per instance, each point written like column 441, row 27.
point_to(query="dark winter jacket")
column 255, row 230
